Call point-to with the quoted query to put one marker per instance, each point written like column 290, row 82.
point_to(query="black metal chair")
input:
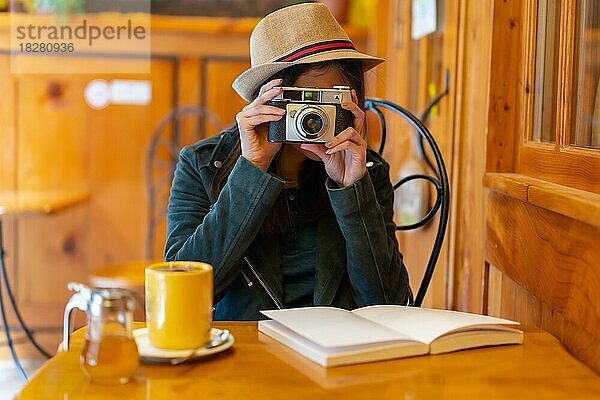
column 439, row 179
column 159, row 172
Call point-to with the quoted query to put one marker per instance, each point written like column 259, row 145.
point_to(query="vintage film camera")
column 313, row 115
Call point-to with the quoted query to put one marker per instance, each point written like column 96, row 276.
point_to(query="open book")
column 332, row 336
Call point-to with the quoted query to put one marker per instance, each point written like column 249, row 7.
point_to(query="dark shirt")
column 298, row 252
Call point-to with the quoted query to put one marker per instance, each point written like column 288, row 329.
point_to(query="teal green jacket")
column 358, row 262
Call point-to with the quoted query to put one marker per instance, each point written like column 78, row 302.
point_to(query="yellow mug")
column 179, row 304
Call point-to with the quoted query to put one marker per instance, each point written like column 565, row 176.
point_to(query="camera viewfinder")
column 294, row 95
column 311, row 95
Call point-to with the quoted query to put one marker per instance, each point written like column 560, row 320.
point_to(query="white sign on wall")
column 99, row 93
column 424, row 18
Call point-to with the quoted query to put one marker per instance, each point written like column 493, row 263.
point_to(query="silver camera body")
column 312, row 115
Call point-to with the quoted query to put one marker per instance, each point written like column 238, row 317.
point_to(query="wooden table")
column 16, row 202
column 261, row 368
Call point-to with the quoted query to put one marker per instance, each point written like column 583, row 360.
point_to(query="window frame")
column 559, row 162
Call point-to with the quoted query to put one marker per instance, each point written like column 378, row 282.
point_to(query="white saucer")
column 150, row 353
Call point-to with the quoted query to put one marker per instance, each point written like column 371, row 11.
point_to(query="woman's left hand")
column 346, row 154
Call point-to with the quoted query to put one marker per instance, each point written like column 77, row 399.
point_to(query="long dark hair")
column 312, row 173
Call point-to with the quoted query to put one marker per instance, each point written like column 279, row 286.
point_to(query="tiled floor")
column 10, row 382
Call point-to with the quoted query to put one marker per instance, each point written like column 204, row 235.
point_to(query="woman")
column 289, row 225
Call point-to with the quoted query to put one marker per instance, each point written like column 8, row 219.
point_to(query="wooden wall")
column 543, row 267
column 414, row 73
column 542, row 235
column 523, row 239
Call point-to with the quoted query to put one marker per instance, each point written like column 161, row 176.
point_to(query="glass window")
column 585, row 129
column 546, row 73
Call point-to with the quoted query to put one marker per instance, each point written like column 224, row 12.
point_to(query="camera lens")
column 312, row 123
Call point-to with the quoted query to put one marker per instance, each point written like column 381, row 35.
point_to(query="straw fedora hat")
column 298, row 34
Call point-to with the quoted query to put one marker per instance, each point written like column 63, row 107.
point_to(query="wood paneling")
column 502, row 136
column 507, row 299
column 218, row 95
column 552, row 321
column 552, row 258
column 492, row 295
column 543, row 231
column 189, row 88
column 117, row 171
column 9, row 241
column 102, row 149
column 7, row 128
column 380, row 43
column 577, row 204
column 8, row 162
column 413, row 67
column 52, row 148
column 510, row 300
column 62, row 66
column 571, row 166
column 53, row 251
column 582, row 343
column 543, row 214
column 470, row 125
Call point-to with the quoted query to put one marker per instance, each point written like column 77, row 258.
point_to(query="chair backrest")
column 439, row 179
column 161, row 158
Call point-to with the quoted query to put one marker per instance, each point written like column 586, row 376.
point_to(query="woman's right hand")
column 253, row 129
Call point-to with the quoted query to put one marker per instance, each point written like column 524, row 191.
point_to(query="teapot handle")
column 78, row 300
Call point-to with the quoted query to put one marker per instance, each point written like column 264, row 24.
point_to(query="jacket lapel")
column 264, row 256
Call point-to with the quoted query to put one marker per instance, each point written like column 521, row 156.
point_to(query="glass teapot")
column 109, row 354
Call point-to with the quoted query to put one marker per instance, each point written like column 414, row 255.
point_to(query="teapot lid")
column 100, row 300
column 112, row 299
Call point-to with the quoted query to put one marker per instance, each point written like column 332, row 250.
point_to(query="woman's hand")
column 346, row 154
column 253, row 131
